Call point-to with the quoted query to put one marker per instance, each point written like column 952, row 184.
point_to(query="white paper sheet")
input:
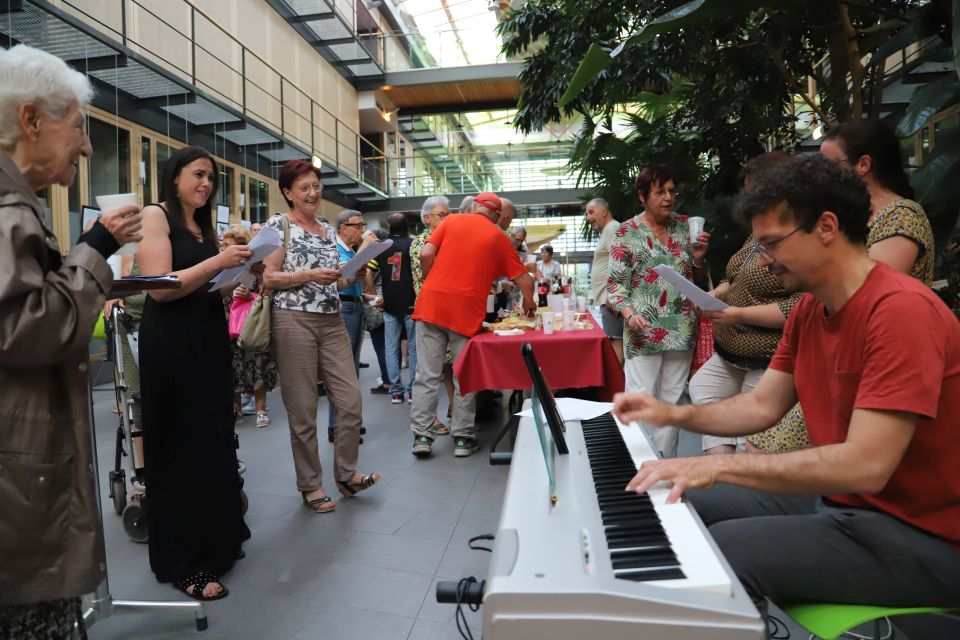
column 262, row 245
column 575, row 409
column 364, row 256
column 696, row 295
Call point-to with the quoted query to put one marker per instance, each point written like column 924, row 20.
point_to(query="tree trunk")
column 839, row 66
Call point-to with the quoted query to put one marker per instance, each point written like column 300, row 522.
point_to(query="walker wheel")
column 135, row 522
column 118, row 491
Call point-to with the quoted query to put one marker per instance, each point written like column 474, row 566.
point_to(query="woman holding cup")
column 193, row 490
column 660, row 325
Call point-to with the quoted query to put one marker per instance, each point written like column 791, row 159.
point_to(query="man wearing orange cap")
column 451, row 307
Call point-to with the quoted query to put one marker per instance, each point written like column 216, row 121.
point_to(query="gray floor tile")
column 427, row 630
column 392, row 552
column 347, row 622
column 429, row 525
column 364, row 587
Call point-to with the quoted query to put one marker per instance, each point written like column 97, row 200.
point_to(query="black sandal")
column 350, row 489
column 317, row 504
column 199, row 582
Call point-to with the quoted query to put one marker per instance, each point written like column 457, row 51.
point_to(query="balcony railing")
column 189, row 44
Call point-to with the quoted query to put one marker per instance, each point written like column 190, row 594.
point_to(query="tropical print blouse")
column 633, row 283
column 306, row 251
column 415, row 246
column 906, row 218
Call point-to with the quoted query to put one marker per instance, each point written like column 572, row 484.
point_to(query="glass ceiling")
column 456, row 31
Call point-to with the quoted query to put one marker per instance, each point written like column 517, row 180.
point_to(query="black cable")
column 460, row 616
column 486, row 536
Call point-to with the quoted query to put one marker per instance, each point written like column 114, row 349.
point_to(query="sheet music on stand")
column 548, row 445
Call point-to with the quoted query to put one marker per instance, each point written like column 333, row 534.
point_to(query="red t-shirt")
column 893, row 346
column 472, row 252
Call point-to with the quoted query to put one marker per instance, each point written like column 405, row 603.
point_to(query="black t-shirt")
column 396, row 277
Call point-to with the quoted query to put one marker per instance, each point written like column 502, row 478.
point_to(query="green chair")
column 830, row 621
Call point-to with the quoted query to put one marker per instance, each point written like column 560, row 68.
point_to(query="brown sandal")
column 319, row 505
column 439, row 428
column 350, row 489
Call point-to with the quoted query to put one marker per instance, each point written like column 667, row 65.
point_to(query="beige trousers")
column 308, row 347
column 717, row 380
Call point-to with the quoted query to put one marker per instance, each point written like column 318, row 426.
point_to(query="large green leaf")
column 685, row 15
column 926, row 101
column 593, row 63
column 694, row 13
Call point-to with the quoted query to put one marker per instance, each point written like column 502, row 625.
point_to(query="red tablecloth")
column 569, row 359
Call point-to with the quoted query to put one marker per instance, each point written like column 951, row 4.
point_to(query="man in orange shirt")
column 451, row 307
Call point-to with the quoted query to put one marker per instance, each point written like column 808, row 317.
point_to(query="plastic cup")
column 115, row 201
column 548, row 322
column 581, row 303
column 696, row 227
column 568, row 320
column 566, row 304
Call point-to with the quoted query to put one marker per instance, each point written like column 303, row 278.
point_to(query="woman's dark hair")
column 757, row 165
column 804, row 187
column 291, row 172
column 650, row 175
column 168, row 189
column 868, row 137
column 381, row 234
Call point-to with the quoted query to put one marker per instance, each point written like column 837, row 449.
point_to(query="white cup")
column 568, row 320
column 115, row 201
column 696, row 227
column 581, row 303
column 547, row 322
column 115, row 266
column 566, row 304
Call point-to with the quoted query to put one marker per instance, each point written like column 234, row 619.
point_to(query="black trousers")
column 805, row 548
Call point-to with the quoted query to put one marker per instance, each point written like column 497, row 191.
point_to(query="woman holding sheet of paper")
column 309, row 338
column 659, row 324
column 193, row 491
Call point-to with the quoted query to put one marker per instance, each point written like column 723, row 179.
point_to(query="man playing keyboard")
column 870, row 513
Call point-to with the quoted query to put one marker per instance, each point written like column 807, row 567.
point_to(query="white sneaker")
column 263, row 420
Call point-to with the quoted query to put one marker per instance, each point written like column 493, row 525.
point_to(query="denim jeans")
column 352, row 315
column 393, row 325
column 376, row 337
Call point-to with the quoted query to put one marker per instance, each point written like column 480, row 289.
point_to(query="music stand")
column 101, row 605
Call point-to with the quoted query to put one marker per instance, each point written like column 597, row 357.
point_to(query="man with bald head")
column 506, row 214
column 450, row 309
column 599, row 218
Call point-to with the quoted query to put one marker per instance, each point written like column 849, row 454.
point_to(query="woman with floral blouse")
column 659, row 324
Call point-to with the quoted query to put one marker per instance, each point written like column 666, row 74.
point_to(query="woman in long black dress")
column 193, row 494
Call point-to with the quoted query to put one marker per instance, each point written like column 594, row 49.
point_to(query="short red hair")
column 291, row 171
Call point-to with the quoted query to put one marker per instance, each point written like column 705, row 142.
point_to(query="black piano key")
column 645, row 576
column 639, row 547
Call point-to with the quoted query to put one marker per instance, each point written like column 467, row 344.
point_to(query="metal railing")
column 188, row 43
column 399, row 51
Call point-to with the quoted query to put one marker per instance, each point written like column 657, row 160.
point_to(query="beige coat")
column 51, row 540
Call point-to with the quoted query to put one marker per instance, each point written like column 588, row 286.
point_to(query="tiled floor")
column 368, row 571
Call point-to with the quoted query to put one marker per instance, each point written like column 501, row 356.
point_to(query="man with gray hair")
column 466, row 205
column 351, row 237
column 598, row 217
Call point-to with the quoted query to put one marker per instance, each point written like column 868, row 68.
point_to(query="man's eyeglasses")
column 766, row 249
column 358, row 225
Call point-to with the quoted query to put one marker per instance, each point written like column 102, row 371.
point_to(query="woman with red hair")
column 309, row 338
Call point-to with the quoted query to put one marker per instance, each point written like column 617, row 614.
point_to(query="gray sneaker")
column 422, row 446
column 463, row 447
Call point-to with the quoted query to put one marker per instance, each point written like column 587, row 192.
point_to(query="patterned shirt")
column 415, row 267
column 906, row 218
column 306, row 251
column 634, row 283
column 748, row 346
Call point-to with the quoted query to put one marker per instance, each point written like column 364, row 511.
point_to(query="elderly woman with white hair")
column 50, row 532
column 432, row 213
